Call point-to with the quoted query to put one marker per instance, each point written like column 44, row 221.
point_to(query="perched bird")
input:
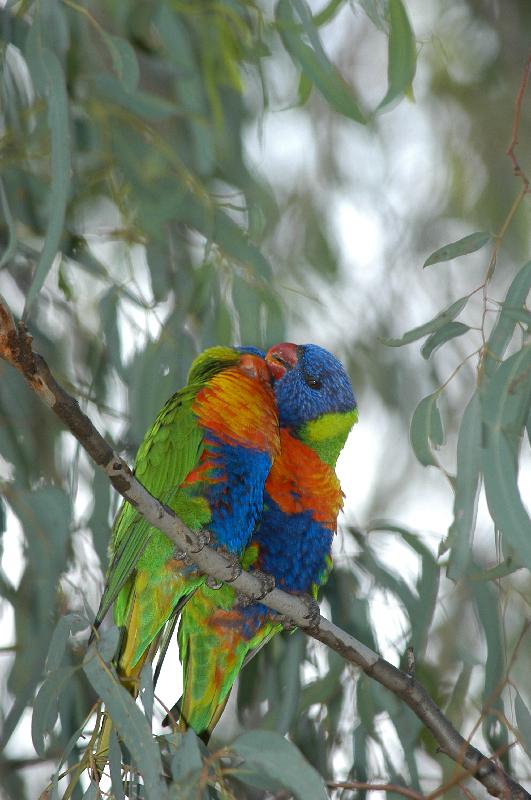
column 218, row 634
column 206, row 456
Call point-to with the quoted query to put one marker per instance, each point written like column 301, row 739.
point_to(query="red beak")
column 280, row 358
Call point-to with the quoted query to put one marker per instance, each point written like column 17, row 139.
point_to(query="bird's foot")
column 203, row 538
column 286, row 622
column 233, row 564
column 314, row 612
column 267, row 583
column 182, row 555
column 243, row 600
column 213, row 583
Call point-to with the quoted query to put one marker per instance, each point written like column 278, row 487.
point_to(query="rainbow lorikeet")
column 206, row 456
column 218, row 633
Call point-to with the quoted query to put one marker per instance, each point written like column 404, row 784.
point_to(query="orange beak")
column 280, row 358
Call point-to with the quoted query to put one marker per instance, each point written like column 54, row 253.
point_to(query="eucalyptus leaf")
column 443, row 335
column 462, row 247
column 433, row 325
column 124, row 61
column 402, row 54
column 427, row 430
column 467, row 485
column 278, row 764
column 129, row 721
column 45, row 708
column 505, row 407
column 523, row 721
column 488, row 613
column 70, row 623
column 187, row 760
column 315, row 64
column 58, row 121
column 147, row 690
column 92, row 792
column 115, row 766
column 503, row 331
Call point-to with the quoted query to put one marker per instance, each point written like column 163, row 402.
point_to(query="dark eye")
column 313, row 383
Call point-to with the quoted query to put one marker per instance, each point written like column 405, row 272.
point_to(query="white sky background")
column 390, row 183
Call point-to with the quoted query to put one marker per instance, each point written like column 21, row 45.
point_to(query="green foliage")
column 468, row 244
column 272, row 762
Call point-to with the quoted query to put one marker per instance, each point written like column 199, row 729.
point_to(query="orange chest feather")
column 299, row 481
column 238, row 406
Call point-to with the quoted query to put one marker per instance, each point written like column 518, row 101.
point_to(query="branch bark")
column 16, row 349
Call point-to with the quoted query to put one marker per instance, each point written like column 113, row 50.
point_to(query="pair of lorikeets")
column 246, row 450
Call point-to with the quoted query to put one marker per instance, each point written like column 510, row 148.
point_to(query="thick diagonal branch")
column 15, row 348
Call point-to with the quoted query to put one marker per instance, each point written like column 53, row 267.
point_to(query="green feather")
column 170, row 450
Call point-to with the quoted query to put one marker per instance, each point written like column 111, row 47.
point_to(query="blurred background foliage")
column 176, row 174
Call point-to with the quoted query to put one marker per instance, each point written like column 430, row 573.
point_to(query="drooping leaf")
column 503, row 331
column 433, row 325
column 115, row 766
column 505, row 406
column 427, row 430
column 124, row 61
column 519, row 315
column 270, row 761
column 315, row 64
column 70, row 623
column 488, row 613
column 402, row 54
column 58, row 123
column 129, row 721
column 45, row 708
column 147, row 105
column 187, row 759
column 467, row 487
column 45, row 516
column 92, row 792
column 462, row 247
column 147, row 690
column 108, row 639
column 11, row 248
column 443, row 335
column 523, row 722
column 291, row 667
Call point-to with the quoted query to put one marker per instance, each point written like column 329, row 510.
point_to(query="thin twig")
column 516, row 124
column 376, row 787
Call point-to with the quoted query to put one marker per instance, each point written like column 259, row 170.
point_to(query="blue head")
column 309, row 382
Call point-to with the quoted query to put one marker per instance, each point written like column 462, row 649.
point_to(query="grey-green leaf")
column 45, row 707
column 523, row 721
column 70, row 623
column 505, row 406
column 433, row 325
column 129, row 721
column 280, row 765
column 467, row 486
column 60, row 164
column 443, row 335
column 124, row 61
column 115, row 766
column 503, row 331
column 427, row 430
column 402, row 54
column 462, row 247
column 315, row 64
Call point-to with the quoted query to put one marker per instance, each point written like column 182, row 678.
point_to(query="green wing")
column 169, row 451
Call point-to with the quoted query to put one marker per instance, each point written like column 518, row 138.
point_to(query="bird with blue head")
column 292, row 541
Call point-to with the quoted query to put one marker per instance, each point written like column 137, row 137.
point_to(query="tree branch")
column 16, row 349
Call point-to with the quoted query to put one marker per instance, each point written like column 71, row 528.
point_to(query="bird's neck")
column 327, row 434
